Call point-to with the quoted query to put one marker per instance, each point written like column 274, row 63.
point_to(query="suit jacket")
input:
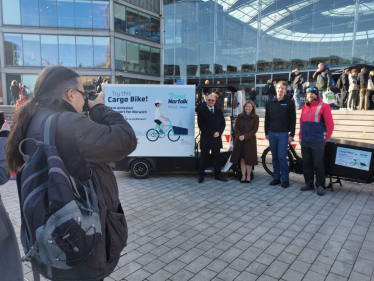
column 210, row 123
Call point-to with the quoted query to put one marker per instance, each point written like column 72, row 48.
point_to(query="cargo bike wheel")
column 267, row 162
column 171, row 136
column 153, row 135
column 140, row 169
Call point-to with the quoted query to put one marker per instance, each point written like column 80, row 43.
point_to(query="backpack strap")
column 49, row 129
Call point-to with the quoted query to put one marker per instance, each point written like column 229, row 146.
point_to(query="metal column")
column 357, row 10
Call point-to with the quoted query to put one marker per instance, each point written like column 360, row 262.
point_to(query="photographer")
column 86, row 146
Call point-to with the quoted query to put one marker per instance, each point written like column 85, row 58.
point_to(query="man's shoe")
column 321, row 191
column 307, row 187
column 201, row 179
column 275, row 182
column 285, row 184
column 298, row 108
column 220, row 178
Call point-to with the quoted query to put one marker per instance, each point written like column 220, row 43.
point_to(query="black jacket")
column 269, row 89
column 86, row 146
column 209, row 124
column 345, row 81
column 280, row 116
column 297, row 81
column 14, row 90
column 252, row 95
column 362, row 79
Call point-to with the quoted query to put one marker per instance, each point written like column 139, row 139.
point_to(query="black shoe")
column 201, row 179
column 285, row 184
column 248, row 181
column 244, row 181
column 220, row 178
column 321, row 191
column 307, row 187
column 275, row 182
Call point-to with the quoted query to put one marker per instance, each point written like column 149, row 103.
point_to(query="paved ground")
column 181, row 230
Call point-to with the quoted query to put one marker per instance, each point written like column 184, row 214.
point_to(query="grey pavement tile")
column 286, row 257
column 335, row 277
column 191, row 255
column 300, row 266
column 284, row 240
column 230, row 255
column 277, row 269
column 364, row 266
column 239, row 264
column 352, row 245
column 154, row 266
column 139, row 275
column 347, row 256
column 327, row 256
column 187, row 245
column 205, row 246
column 223, row 245
column 308, row 255
column 261, row 244
column 320, row 267
column 160, row 250
column 146, row 259
column 217, row 265
column 265, row 259
column 171, row 255
column 333, row 246
column 313, row 276
column 266, row 278
column 275, row 249
column 256, row 268
column 228, row 274
column 300, row 242
column 204, row 275
column 293, row 249
column 355, row 276
column 125, row 270
column 198, row 264
column 213, row 253
column 174, row 266
column 316, row 245
column 159, row 276
column 182, row 275
column 342, row 269
column 242, row 245
column 366, row 255
column 292, row 275
column 246, row 276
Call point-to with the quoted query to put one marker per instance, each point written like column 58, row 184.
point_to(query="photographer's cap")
column 158, row 101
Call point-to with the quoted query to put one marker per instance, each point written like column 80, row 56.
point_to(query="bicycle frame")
column 166, row 129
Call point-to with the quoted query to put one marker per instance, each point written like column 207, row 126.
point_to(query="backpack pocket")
column 116, row 234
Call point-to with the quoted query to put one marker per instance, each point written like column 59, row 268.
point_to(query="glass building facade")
column 119, row 40
column 250, row 41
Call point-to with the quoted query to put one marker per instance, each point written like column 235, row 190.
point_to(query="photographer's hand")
column 98, row 100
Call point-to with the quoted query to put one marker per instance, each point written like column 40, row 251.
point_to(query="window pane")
column 144, row 25
column 66, row 47
column 100, row 11
column 65, row 15
column 155, row 29
column 29, row 12
column 31, row 50
column 155, row 61
column 83, row 14
column 49, row 50
column 132, row 57
column 84, row 51
column 102, row 52
column 145, row 58
column 132, row 21
column 47, row 10
column 119, row 17
column 11, row 12
column 13, row 49
column 120, row 53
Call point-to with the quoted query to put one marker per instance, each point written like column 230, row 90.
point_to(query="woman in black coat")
column 14, row 89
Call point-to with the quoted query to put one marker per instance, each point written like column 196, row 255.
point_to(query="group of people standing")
column 351, row 84
column 20, row 93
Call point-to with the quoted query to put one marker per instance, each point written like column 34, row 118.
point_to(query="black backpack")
column 60, row 215
column 339, row 83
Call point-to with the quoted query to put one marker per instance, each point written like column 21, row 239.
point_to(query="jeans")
column 270, row 97
column 296, row 97
column 364, row 98
column 279, row 148
column 352, row 99
column 313, row 154
column 343, row 96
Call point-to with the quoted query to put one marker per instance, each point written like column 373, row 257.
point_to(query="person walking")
column 289, row 92
column 269, row 90
column 298, row 81
column 253, row 95
column 245, row 147
column 211, row 123
column 362, row 81
column 316, row 127
column 86, row 146
column 353, row 90
column 14, row 90
column 280, row 124
column 323, row 77
column 344, row 78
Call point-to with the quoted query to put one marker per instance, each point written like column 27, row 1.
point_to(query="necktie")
column 211, row 110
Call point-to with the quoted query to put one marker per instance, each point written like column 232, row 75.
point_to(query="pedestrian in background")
column 289, row 92
column 253, row 95
column 316, row 127
column 323, row 77
column 10, row 264
column 211, row 123
column 362, row 81
column 21, row 101
column 269, row 90
column 298, row 81
column 353, row 90
column 245, row 147
column 344, row 78
column 14, row 89
column 280, row 124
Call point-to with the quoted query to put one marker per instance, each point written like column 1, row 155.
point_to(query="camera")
column 92, row 96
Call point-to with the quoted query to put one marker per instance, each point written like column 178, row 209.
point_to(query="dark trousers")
column 204, row 156
column 343, row 97
column 313, row 154
column 15, row 99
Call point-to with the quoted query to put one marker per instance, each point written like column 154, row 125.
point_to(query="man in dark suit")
column 211, row 124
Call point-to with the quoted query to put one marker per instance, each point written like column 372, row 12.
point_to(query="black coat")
column 252, row 95
column 209, row 124
column 362, row 79
column 269, row 89
column 345, row 81
column 14, row 90
column 297, row 81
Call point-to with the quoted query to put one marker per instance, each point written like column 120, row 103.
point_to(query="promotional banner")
column 353, row 158
column 162, row 116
